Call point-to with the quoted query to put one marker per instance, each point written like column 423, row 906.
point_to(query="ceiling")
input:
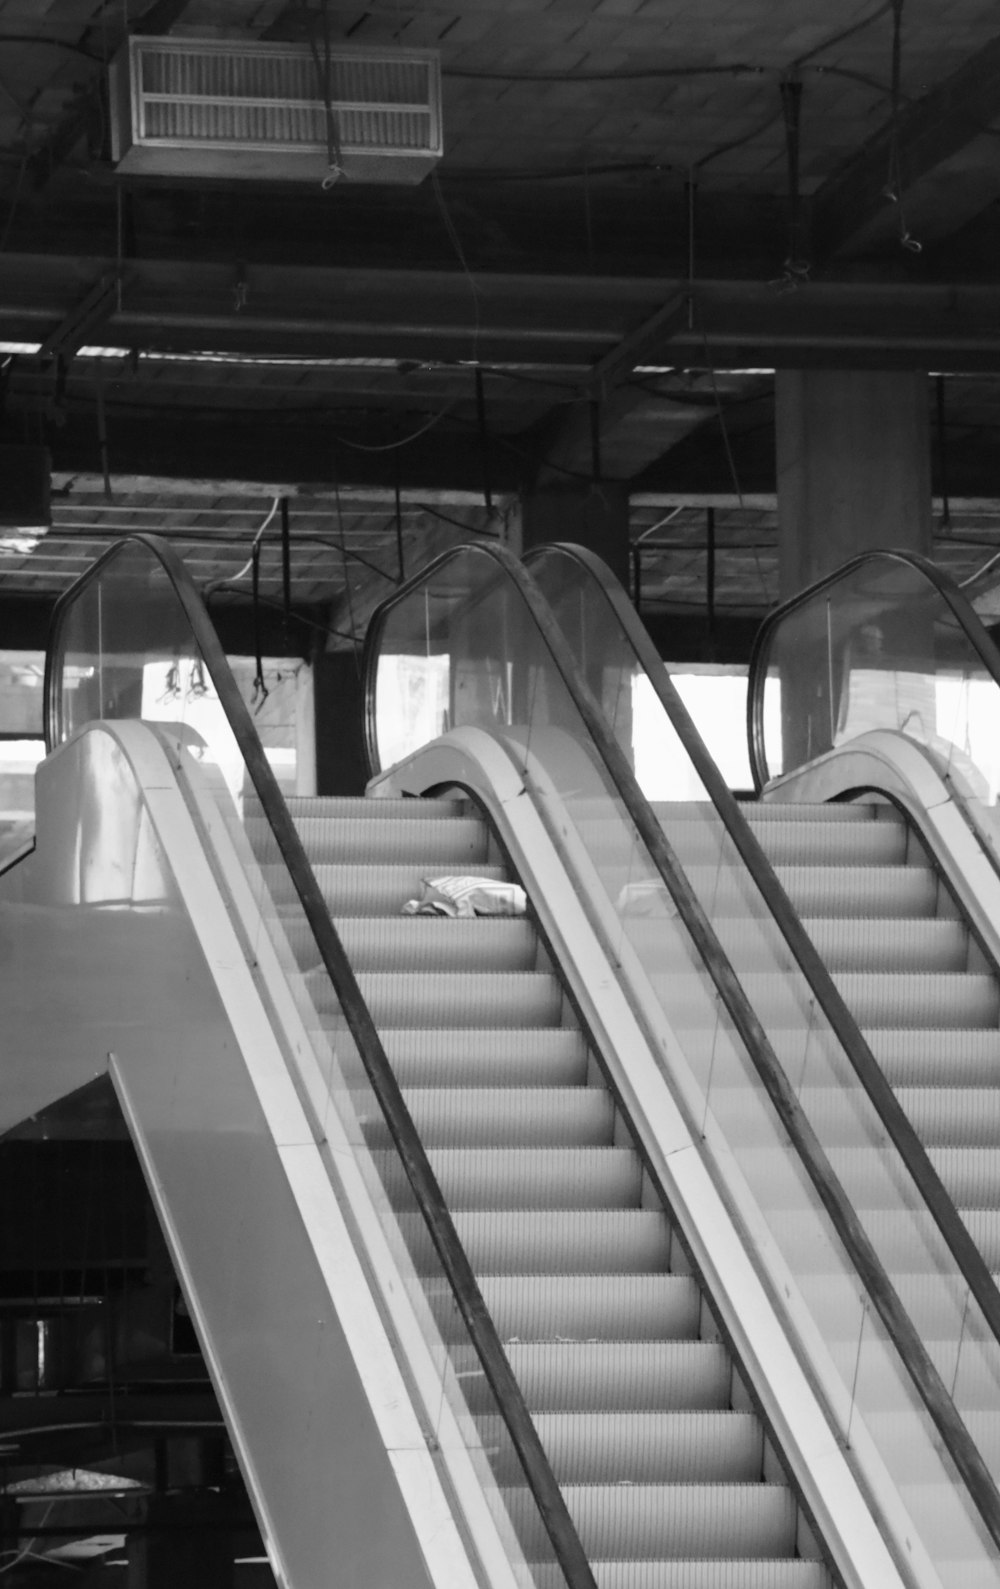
column 644, row 208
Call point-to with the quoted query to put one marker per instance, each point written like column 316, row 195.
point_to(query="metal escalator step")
column 367, row 836
column 836, row 1299
column 763, row 811
column 644, row 1447
column 839, row 813
column 375, row 890
column 786, row 1573
column 437, row 998
column 583, row 1307
column 960, row 1117
column 933, row 998
column 551, row 1241
column 869, row 891
column 538, row 1178
column 956, row 1056
column 983, row 1225
column 845, row 943
column 874, row 998
column 617, row 1376
column 325, row 807
column 547, row 1056
column 972, row 1175
column 412, row 943
column 528, row 1117
column 797, row 843
column 652, row 1520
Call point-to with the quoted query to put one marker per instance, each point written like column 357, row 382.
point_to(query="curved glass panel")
column 885, row 643
column 466, row 636
column 125, row 646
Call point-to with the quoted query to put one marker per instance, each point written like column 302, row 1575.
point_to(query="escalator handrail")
column 942, row 585
column 912, row 1351
column 898, row 1127
column 548, row 1497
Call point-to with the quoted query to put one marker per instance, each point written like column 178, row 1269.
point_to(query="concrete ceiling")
column 643, row 209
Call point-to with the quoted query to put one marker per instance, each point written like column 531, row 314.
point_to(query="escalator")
column 656, row 1446
column 524, row 1284
column 880, row 829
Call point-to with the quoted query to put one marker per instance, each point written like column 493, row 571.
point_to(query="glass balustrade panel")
column 126, row 649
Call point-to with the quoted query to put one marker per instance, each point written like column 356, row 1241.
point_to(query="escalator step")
column 958, row 1056
column 435, row 998
column 528, row 1117
column 844, row 943
column 644, row 1448
column 375, row 890
column 960, row 1117
column 853, row 891
column 548, row 1056
column 874, row 998
column 418, row 943
column 459, row 844
column 635, row 1520
column 785, row 1573
column 529, row 1178
column 327, row 807
column 797, row 843
column 618, row 1376
column 972, row 1175
column 581, row 1307
column 551, row 1241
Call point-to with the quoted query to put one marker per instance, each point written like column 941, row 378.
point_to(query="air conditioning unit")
column 229, row 108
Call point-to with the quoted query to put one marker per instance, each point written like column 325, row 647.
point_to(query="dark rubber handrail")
column 541, row 1481
column 966, row 1255
column 913, row 1353
column 958, row 604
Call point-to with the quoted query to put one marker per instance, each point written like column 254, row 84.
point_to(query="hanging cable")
column 796, row 264
column 942, row 431
column 398, row 505
column 484, row 440
column 260, row 690
column 233, row 579
column 595, row 439
column 894, row 188
column 691, row 195
column 710, row 579
column 348, row 593
column 286, row 567
column 324, row 74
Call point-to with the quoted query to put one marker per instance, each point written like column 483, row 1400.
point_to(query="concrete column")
column 592, row 515
column 853, row 467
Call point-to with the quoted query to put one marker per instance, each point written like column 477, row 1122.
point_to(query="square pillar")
column 594, row 515
column 853, row 467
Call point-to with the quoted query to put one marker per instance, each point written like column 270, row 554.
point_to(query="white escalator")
column 668, row 1473
column 918, row 985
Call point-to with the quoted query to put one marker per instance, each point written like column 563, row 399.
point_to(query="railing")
column 471, row 641
column 135, row 611
column 887, row 641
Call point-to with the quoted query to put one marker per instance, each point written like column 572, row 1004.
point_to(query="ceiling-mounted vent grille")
column 228, row 108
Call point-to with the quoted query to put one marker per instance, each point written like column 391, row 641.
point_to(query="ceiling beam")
column 948, row 160
column 585, row 437
column 555, row 326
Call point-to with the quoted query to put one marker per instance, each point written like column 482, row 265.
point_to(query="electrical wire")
column 456, row 243
column 258, row 536
column 401, row 441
